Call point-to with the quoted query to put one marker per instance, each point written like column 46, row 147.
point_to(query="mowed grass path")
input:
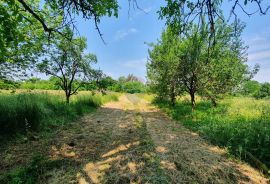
column 131, row 141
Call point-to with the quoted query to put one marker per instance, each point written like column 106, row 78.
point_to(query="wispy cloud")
column 259, row 52
column 120, row 34
column 139, row 64
column 259, row 46
column 259, row 43
column 259, row 56
column 148, row 10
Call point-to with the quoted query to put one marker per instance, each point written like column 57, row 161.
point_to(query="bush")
column 129, row 87
column 250, row 88
column 134, row 87
column 264, row 91
column 8, row 84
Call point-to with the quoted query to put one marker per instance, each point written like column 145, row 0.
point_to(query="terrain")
column 128, row 141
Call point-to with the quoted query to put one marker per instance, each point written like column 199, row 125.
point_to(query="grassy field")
column 26, row 111
column 239, row 124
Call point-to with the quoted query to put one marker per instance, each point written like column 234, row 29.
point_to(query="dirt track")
column 130, row 141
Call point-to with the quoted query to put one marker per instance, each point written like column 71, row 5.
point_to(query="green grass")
column 240, row 124
column 35, row 171
column 21, row 113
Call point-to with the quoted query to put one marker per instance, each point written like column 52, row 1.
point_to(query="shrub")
column 264, row 91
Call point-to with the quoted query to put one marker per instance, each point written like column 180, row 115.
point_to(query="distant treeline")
column 129, row 84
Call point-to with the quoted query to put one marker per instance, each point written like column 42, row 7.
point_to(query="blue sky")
column 126, row 52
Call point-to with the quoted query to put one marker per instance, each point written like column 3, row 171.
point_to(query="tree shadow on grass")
column 180, row 156
column 114, row 145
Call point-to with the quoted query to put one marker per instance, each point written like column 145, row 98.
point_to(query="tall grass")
column 20, row 113
column 241, row 124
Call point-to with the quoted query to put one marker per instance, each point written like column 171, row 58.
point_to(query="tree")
column 198, row 67
column 162, row 66
column 106, row 83
column 264, row 91
column 21, row 37
column 103, row 82
column 50, row 13
column 213, row 70
column 68, row 63
column 226, row 62
column 250, row 87
column 132, row 78
column 134, row 87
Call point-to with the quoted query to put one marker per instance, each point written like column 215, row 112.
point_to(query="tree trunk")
column 173, row 96
column 214, row 103
column 67, row 98
column 193, row 102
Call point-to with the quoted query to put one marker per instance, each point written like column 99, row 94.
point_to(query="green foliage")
column 21, row 37
column 35, row 83
column 250, row 88
column 134, row 87
column 131, row 84
column 181, row 14
column 68, row 63
column 264, row 91
column 8, row 84
column 32, row 112
column 239, row 124
column 162, row 67
column 187, row 63
column 105, row 83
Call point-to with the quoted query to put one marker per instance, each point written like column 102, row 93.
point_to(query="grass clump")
column 21, row 113
column 240, row 124
column 35, row 171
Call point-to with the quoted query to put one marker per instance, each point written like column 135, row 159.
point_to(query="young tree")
column 213, row 70
column 162, row 66
column 198, row 67
column 226, row 62
column 68, row 63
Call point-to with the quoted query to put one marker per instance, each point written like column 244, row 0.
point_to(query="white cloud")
column 124, row 33
column 148, row 10
column 259, row 52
